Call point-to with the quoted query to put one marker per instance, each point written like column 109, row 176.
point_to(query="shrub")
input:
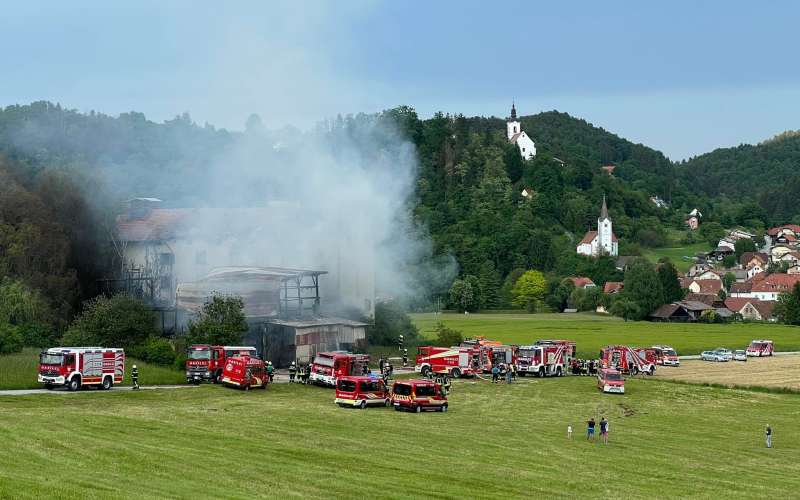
column 447, row 337
column 157, row 351
column 118, row 321
column 220, row 322
column 38, row 335
column 391, row 321
column 10, row 339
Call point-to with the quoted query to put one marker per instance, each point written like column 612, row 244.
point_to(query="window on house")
column 200, row 257
column 166, row 259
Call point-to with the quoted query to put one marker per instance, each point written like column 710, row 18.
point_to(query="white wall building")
column 600, row 242
column 515, row 135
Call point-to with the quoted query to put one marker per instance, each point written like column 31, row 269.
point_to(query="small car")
column 360, row 392
column 610, row 380
column 740, row 355
column 712, row 356
column 724, row 352
column 417, row 395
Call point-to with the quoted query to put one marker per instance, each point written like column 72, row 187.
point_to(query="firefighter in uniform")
column 292, row 372
column 405, row 357
column 446, row 385
column 135, row 377
column 270, row 371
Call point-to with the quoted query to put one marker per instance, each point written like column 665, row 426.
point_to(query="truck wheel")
column 558, row 372
column 363, row 404
column 107, row 383
column 444, row 408
column 426, row 370
column 247, row 387
column 540, row 373
column 455, row 373
column 217, row 378
column 74, row 384
column 49, row 387
column 634, row 371
column 396, row 408
column 652, row 371
column 388, row 402
column 418, row 409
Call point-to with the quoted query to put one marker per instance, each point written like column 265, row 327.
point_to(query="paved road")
column 777, row 353
column 63, row 390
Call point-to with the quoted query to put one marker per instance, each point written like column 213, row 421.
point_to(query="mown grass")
column 592, row 331
column 680, row 256
column 19, row 370
column 667, row 440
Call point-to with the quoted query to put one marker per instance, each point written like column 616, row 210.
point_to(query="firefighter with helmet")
column 135, row 377
column 292, row 372
column 405, row 357
column 270, row 371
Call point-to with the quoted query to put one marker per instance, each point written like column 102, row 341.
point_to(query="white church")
column 600, row 242
column 516, row 136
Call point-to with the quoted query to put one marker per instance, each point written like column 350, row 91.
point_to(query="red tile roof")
column 748, row 256
column 773, row 231
column 736, row 304
column 765, row 308
column 613, row 286
column 709, row 286
column 588, row 237
column 778, row 282
column 158, row 224
column 581, row 281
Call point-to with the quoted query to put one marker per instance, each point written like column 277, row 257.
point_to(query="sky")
column 684, row 77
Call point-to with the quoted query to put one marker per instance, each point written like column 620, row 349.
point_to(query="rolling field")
column 591, row 331
column 677, row 255
column 19, row 370
column 666, row 439
column 778, row 371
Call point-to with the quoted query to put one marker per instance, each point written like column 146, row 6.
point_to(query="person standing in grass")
column 569, row 431
column 768, row 436
column 270, row 371
column 135, row 377
column 292, row 372
column 604, row 430
column 590, row 429
column 495, row 373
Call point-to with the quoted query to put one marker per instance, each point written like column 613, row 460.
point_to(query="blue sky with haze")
column 683, row 77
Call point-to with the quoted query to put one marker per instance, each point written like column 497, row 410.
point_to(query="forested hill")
column 768, row 173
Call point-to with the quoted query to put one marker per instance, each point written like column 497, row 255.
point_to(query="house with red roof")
column 582, row 282
column 765, row 287
column 612, row 287
column 751, row 309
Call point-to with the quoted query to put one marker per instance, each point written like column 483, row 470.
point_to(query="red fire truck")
column 570, row 347
column 453, row 361
column 626, row 360
column 329, row 366
column 78, row 366
column 546, row 360
column 207, row 362
column 491, row 352
column 245, row 372
column 361, row 392
column 666, row 356
column 760, row 348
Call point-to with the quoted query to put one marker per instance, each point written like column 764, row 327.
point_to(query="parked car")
column 739, row 355
column 724, row 352
column 712, row 356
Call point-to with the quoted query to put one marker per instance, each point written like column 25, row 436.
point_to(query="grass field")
column 677, row 255
column 18, row 371
column 666, row 439
column 592, row 331
column 777, row 372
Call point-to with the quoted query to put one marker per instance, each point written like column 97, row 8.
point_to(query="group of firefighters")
column 587, row 367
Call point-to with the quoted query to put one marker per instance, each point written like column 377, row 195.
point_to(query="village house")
column 750, row 259
column 517, row 136
column 613, row 287
column 708, row 274
column 712, row 286
column 600, row 242
column 609, row 169
column 786, row 234
column 582, row 282
column 698, row 269
column 751, row 309
column 765, row 287
column 795, row 269
column 693, row 219
column 777, row 252
column 659, row 202
column 683, row 311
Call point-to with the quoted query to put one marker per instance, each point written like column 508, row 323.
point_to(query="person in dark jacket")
column 292, row 372
column 135, row 377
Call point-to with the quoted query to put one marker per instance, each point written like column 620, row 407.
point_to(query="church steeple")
column 513, row 111
column 604, row 210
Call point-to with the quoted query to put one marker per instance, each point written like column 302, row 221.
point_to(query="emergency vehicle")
column 245, row 372
column 74, row 367
column 329, row 366
column 760, row 348
column 626, row 360
column 491, row 352
column 207, row 362
column 453, row 361
column 418, row 395
column 361, row 392
column 548, row 360
column 569, row 345
column 611, row 381
column 666, row 356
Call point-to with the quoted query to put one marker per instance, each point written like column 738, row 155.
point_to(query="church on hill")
column 600, row 242
column 516, row 136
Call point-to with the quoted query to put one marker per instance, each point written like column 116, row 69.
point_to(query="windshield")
column 402, row 389
column 426, row 390
column 323, row 361
column 240, row 352
column 613, row 376
column 346, row 385
column 670, row 352
column 50, row 359
column 199, row 354
column 526, row 353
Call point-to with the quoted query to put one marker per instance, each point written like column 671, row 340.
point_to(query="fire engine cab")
column 626, row 360
column 542, row 360
column 453, row 361
column 666, row 356
column 491, row 352
column 760, row 348
column 74, row 367
column 361, row 392
column 207, row 362
column 245, row 372
column 329, row 366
